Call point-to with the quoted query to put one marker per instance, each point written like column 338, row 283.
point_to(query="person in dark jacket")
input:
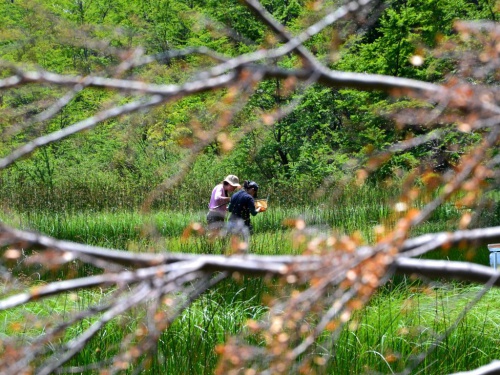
column 242, row 204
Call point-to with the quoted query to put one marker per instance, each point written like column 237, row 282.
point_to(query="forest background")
column 328, row 132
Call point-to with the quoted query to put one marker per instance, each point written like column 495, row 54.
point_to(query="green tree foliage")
column 322, row 129
column 398, row 45
column 326, row 125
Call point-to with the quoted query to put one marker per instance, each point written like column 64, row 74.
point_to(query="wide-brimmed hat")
column 232, row 180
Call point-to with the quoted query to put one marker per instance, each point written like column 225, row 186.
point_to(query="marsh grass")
column 187, row 347
column 405, row 328
column 401, row 322
column 359, row 211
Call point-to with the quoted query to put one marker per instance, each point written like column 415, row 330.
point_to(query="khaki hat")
column 232, row 180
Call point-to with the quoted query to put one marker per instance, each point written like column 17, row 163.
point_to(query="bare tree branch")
column 489, row 369
column 445, row 269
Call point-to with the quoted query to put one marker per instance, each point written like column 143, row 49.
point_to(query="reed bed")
column 403, row 327
column 187, row 347
column 407, row 328
column 402, row 322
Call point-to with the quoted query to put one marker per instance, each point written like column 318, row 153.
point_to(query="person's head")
column 251, row 188
column 231, row 182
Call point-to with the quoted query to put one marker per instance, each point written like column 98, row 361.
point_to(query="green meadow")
column 409, row 324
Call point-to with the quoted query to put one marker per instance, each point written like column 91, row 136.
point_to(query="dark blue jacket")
column 241, row 206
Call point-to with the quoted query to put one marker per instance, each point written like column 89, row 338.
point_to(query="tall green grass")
column 406, row 329
column 187, row 347
column 166, row 230
column 403, row 327
column 387, row 336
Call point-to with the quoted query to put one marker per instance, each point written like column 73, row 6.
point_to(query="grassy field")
column 403, row 322
column 399, row 326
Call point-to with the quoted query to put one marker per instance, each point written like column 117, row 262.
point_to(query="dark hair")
column 250, row 185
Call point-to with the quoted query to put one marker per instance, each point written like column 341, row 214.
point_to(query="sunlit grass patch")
column 407, row 329
column 186, row 347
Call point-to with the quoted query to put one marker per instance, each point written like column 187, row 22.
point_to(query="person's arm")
column 220, row 197
column 251, row 206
